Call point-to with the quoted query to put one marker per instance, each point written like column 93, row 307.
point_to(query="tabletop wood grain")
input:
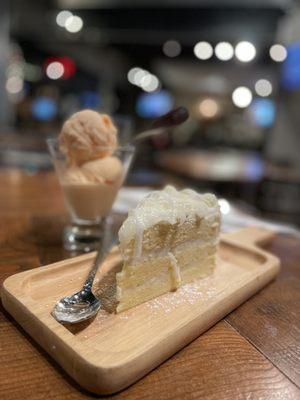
column 254, row 353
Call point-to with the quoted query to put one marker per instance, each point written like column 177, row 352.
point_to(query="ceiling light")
column 55, row 70
column 62, row 17
column 263, row 87
column 131, row 76
column 14, row 84
column 224, row 206
column 73, row 24
column 245, row 51
column 278, row 52
column 203, row 50
column 224, row 51
column 172, row 48
column 139, row 76
column 209, row 108
column 242, row 97
column 150, row 83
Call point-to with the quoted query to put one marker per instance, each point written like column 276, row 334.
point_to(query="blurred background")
column 234, row 64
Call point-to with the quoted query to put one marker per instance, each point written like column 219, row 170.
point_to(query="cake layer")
column 164, row 236
column 133, row 274
column 155, row 276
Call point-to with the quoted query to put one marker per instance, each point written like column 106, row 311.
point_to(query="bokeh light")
column 15, row 69
column 152, row 105
column 44, row 108
column 245, row 51
column 90, row 99
column 172, row 48
column 69, row 66
column 14, row 84
column 62, row 17
column 224, row 206
column 263, row 87
column 131, row 76
column 278, row 52
column 74, row 24
column 144, row 79
column 290, row 72
column 55, row 70
column 150, row 83
column 263, row 112
column 209, row 108
column 224, row 51
column 203, row 50
column 242, row 97
column 136, row 75
column 139, row 76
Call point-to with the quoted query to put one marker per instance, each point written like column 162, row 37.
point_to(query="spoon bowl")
column 77, row 307
column 83, row 305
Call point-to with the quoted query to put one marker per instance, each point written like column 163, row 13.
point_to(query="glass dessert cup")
column 89, row 193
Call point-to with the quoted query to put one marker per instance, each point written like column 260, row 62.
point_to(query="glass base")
column 82, row 238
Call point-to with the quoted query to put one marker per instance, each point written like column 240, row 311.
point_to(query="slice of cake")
column 170, row 239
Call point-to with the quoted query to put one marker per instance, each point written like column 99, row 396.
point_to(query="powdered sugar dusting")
column 123, row 316
column 190, row 293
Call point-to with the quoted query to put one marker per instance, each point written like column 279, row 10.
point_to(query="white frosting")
column 167, row 205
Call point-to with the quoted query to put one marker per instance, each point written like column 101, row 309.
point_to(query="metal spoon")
column 172, row 118
column 84, row 304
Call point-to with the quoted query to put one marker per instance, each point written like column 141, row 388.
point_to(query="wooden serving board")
column 112, row 351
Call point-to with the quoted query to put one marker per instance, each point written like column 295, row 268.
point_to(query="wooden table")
column 254, row 353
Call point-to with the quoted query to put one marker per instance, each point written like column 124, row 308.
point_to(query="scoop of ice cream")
column 74, row 175
column 106, row 170
column 87, row 135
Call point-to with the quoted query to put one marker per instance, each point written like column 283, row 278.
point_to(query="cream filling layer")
column 174, row 272
column 181, row 246
column 150, row 283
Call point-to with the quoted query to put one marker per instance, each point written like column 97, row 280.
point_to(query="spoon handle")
column 172, row 118
column 146, row 134
column 102, row 252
